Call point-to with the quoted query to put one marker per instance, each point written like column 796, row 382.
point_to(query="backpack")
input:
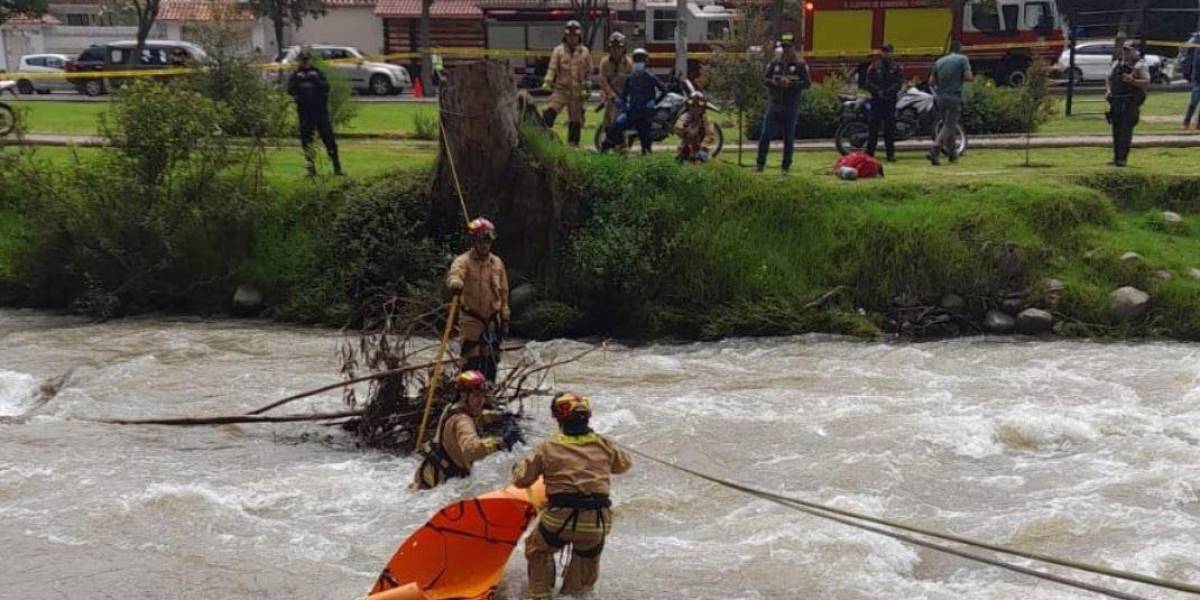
column 866, row 165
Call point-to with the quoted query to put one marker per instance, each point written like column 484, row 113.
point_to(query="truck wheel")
column 93, row 87
column 25, row 87
column 851, row 137
column 8, row 120
column 380, row 85
column 1075, row 75
column 720, row 139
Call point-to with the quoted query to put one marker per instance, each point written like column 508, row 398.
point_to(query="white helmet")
column 640, row 55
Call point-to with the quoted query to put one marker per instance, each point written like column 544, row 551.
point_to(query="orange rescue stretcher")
column 462, row 551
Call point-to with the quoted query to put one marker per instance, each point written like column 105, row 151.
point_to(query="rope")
column 828, row 512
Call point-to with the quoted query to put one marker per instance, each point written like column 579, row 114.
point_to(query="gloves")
column 456, row 287
column 545, row 86
column 511, row 435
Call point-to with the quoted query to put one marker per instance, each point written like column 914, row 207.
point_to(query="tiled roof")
column 442, row 9
column 348, row 3
column 199, row 10
column 20, row 19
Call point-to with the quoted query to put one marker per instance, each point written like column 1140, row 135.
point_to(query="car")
column 41, row 65
column 115, row 56
column 378, row 78
column 1094, row 59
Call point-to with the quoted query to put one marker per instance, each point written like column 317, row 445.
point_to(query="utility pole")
column 681, row 45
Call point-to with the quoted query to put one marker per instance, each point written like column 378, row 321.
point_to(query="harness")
column 437, row 466
column 577, row 502
column 490, row 339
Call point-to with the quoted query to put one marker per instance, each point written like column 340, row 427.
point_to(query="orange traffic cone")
column 418, row 89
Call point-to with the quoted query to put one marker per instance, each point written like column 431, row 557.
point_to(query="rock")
column 1034, row 321
column 1163, row 275
column 1131, row 257
column 1012, row 306
column 1127, row 303
column 1194, row 273
column 247, row 301
column 1054, row 285
column 521, row 297
column 953, row 303
column 1171, row 217
column 998, row 322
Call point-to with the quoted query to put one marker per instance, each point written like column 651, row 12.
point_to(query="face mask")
column 639, row 67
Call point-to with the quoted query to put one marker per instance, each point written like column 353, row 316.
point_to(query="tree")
column 286, row 13
column 145, row 12
column 425, row 41
column 585, row 12
column 681, row 20
column 733, row 76
column 29, row 8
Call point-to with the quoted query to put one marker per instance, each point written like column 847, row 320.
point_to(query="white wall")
column 350, row 26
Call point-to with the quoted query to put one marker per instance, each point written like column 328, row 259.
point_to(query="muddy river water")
column 1085, row 450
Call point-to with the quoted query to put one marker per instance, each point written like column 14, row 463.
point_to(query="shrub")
column 426, row 125
column 819, row 111
column 989, row 108
column 254, row 107
column 342, row 108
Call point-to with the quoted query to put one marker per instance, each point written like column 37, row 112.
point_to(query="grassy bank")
column 673, row 251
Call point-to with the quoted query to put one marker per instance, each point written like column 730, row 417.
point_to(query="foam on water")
column 17, row 392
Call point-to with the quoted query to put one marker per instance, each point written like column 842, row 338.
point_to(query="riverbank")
column 664, row 251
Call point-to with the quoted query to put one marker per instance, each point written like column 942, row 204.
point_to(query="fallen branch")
column 226, row 420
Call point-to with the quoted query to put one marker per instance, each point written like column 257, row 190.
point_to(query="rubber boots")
column 574, row 131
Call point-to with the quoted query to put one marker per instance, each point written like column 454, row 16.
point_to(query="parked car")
column 42, row 64
column 115, row 56
column 379, row 78
column 1094, row 59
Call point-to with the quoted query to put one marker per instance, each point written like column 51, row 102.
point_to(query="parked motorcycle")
column 915, row 115
column 8, row 118
column 666, row 112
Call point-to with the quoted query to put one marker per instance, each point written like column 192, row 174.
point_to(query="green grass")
column 1162, row 113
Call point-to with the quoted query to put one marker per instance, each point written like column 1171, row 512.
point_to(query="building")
column 452, row 23
column 346, row 22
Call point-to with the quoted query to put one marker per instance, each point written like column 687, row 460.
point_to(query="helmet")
column 481, row 228
column 640, row 55
column 616, row 39
column 570, row 406
column 573, row 26
column 468, row 381
column 696, row 99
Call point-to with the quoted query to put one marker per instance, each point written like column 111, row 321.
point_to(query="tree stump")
column 480, row 142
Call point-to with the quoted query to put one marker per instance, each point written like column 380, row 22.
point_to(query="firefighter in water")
column 577, row 465
column 456, row 443
column 566, row 76
column 479, row 279
column 614, row 68
column 697, row 134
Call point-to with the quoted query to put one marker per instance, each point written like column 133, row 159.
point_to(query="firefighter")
column 566, row 76
column 696, row 131
column 884, row 80
column 637, row 102
column 310, row 89
column 479, row 279
column 456, row 443
column 577, row 466
column 614, row 68
column 1125, row 89
column 786, row 78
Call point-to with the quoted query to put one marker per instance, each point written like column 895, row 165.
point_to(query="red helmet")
column 570, row 406
column 481, row 228
column 468, row 381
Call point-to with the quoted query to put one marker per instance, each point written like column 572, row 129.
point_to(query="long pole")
column 437, row 371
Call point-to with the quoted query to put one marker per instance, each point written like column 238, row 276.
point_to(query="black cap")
column 886, row 47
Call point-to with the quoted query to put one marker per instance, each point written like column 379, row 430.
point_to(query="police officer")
column 1125, row 89
column 637, row 103
column 884, row 79
column 566, row 77
column 310, row 89
column 786, row 78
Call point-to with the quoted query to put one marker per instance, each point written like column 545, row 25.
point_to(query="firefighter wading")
column 481, row 281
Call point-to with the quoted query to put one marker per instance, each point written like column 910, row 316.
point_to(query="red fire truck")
column 1007, row 34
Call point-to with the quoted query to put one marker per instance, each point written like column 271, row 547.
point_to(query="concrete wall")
column 351, row 26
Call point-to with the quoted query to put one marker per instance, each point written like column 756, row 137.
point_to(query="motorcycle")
column 666, row 112
column 916, row 115
column 8, row 118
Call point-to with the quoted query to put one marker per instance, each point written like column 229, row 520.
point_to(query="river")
column 1085, row 450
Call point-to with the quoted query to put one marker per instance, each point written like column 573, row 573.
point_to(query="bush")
column 426, row 125
column 819, row 111
column 989, row 108
column 342, row 108
column 254, row 107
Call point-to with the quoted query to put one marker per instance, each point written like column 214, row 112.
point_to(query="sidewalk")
column 978, row 142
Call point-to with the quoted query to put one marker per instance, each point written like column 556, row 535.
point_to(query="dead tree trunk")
column 480, row 112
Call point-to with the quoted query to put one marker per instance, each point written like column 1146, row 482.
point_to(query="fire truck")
column 1007, row 35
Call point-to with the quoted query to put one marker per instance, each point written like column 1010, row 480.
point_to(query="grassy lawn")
column 1161, row 114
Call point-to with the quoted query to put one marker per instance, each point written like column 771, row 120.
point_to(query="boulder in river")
column 1033, row 321
column 1054, row 285
column 1012, row 305
column 952, row 303
column 521, row 297
column 998, row 322
column 1131, row 257
column 1163, row 275
column 247, row 301
column 1127, row 303
column 1171, row 217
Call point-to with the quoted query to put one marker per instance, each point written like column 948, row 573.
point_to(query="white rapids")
column 1084, row 450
